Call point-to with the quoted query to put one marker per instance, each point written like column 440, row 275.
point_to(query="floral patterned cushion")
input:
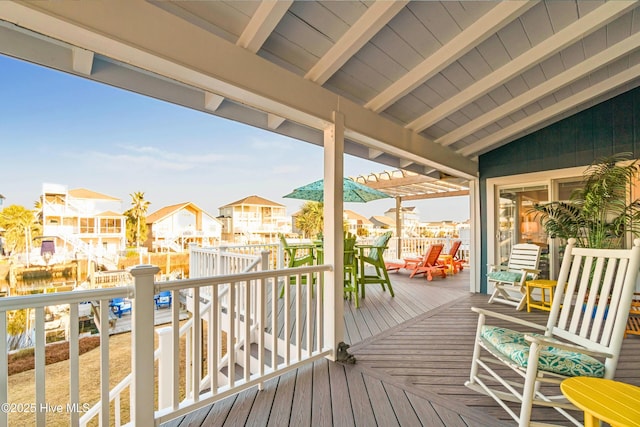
column 513, row 345
column 506, row 276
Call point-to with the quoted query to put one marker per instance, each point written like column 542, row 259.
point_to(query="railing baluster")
column 104, row 362
column 197, row 345
column 247, row 331
column 40, row 367
column 231, row 335
column 215, row 338
column 74, row 363
column 175, row 342
column 274, row 321
column 4, row 368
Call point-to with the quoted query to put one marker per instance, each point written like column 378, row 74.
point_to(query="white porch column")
column 399, row 227
column 142, row 348
column 333, row 232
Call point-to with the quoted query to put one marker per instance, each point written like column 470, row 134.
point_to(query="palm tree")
column 21, row 226
column 138, row 211
column 311, row 219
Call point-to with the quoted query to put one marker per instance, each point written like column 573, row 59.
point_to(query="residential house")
column 83, row 223
column 173, row 228
column 410, row 220
column 253, row 219
column 357, row 224
column 382, row 224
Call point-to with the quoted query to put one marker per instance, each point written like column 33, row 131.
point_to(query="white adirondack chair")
column 582, row 337
column 509, row 280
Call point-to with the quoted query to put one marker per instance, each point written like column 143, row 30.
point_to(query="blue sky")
column 61, row 129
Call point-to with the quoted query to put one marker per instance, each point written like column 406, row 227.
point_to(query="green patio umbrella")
column 353, row 192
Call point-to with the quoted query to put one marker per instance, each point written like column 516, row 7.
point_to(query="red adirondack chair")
column 427, row 265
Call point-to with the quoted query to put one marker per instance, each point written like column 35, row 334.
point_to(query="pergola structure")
column 408, row 185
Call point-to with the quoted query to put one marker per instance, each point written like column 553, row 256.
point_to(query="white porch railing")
column 40, row 407
column 417, row 246
column 240, row 336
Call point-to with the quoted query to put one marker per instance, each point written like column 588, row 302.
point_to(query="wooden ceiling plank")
column 563, row 79
column 555, row 109
column 372, row 21
column 497, row 17
column 563, row 38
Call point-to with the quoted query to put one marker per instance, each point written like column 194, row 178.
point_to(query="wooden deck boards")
column 413, row 356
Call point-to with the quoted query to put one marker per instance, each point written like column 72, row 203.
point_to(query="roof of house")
column 353, row 215
column 170, row 210
column 385, row 220
column 83, row 193
column 253, row 200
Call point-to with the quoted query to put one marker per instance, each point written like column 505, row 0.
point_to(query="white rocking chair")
column 582, row 337
column 509, row 281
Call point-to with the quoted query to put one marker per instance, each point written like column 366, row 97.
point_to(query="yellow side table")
column 544, row 285
column 614, row 402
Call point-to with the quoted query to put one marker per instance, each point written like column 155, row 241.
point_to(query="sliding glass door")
column 516, row 223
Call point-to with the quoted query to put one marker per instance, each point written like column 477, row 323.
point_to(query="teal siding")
column 610, row 127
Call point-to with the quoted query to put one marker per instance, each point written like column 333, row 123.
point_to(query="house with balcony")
column 357, row 224
column 83, row 223
column 410, row 219
column 253, row 219
column 173, row 228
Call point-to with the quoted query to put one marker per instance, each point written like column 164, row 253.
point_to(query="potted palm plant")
column 599, row 214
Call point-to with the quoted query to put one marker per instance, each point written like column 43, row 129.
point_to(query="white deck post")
column 142, row 348
column 399, row 227
column 333, row 233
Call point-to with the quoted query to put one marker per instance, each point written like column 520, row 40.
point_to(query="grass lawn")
column 22, row 384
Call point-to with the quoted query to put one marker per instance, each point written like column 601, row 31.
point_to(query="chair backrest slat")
column 431, row 257
column 593, row 298
column 454, row 248
column 524, row 255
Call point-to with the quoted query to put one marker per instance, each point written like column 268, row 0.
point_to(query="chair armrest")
column 566, row 346
column 499, row 267
column 508, row 318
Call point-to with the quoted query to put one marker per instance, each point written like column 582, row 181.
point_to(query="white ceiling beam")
column 262, row 23
column 273, row 121
column 543, row 50
column 499, row 16
column 561, row 80
column 566, row 104
column 81, row 60
column 374, row 154
column 135, row 33
column 212, row 101
column 372, row 21
column 405, row 163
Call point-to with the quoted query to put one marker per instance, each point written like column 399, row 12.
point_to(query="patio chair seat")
column 513, row 345
column 509, row 280
column 508, row 276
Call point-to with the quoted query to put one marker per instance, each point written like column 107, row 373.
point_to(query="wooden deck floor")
column 413, row 356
